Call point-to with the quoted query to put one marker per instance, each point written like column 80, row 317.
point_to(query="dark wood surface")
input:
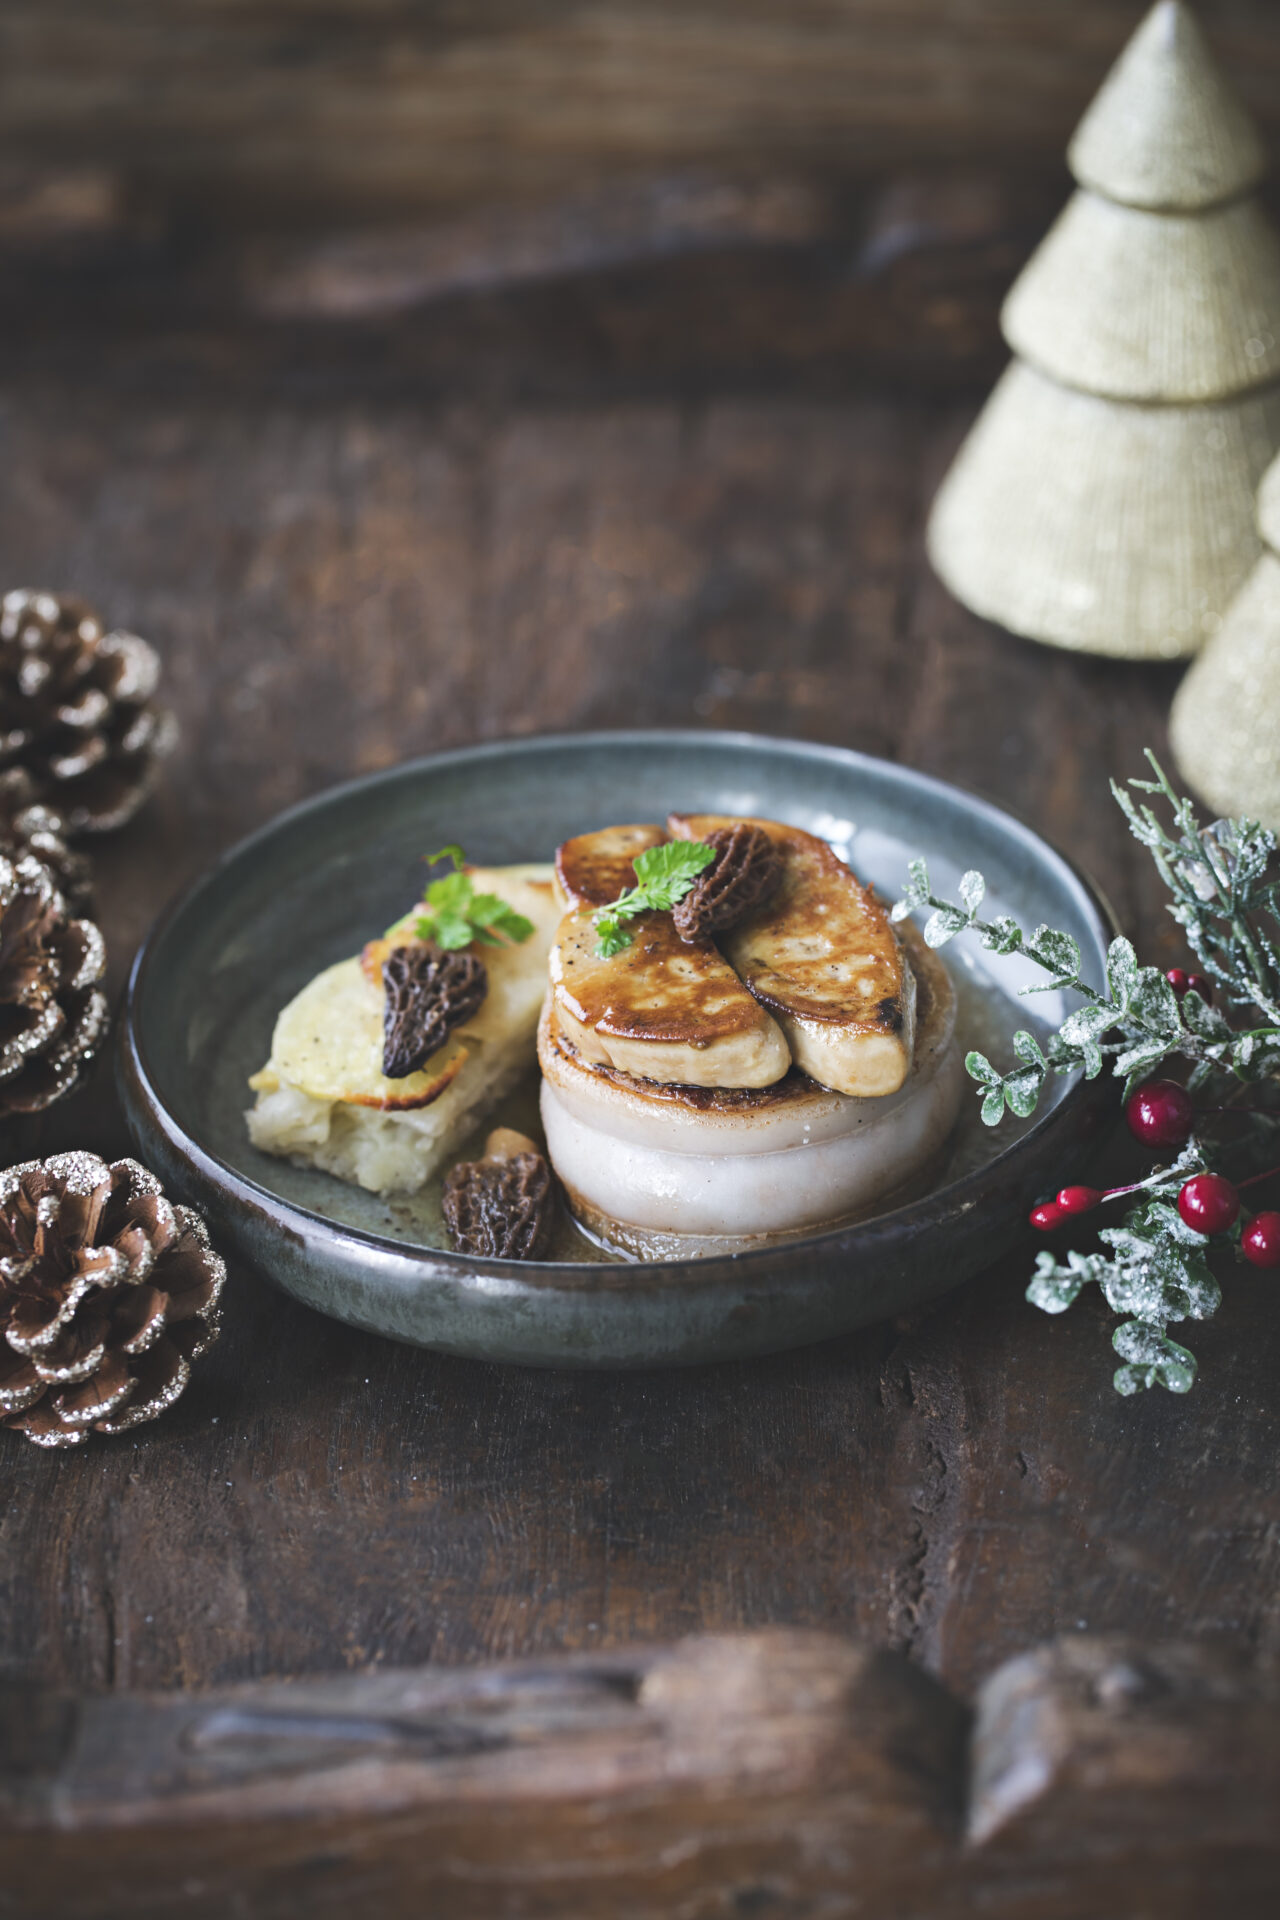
column 783, row 1772
column 257, row 109
column 562, row 507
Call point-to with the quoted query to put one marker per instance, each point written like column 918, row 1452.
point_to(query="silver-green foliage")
column 1224, row 888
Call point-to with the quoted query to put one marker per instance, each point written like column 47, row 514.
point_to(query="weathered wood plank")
column 768, row 1772
column 777, row 1772
column 262, row 108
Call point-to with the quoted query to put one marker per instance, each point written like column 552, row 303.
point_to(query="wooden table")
column 562, row 507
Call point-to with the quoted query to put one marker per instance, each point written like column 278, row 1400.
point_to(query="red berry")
column 1047, row 1217
column 1209, row 1203
column 1260, row 1241
column 1179, row 979
column 1078, row 1199
column 1160, row 1114
column 1200, row 983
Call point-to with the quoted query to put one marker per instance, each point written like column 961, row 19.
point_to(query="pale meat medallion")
column 662, row 1009
column 822, row 956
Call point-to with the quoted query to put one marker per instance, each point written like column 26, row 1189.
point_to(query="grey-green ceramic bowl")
column 310, row 887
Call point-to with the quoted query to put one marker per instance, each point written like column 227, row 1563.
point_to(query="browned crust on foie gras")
column 662, row 1009
column 822, row 955
column 592, row 869
column 934, row 1032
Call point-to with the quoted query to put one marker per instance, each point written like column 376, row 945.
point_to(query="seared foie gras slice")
column 822, row 956
column 660, row 1009
column 594, row 868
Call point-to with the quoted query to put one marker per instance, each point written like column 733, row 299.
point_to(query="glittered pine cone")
column 53, row 1013
column 26, row 826
column 107, row 1294
column 76, row 709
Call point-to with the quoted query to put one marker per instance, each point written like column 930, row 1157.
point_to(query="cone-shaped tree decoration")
column 1225, row 725
column 1104, row 499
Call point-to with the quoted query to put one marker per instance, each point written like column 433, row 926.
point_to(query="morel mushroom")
column 503, row 1206
column 76, row 709
column 428, row 995
column 745, row 871
column 107, row 1294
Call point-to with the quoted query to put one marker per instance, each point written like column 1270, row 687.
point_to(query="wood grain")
column 354, row 545
column 250, row 111
column 778, row 1772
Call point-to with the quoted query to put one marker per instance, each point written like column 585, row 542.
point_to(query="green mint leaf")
column 612, row 939
column 457, row 915
column 492, row 916
column 450, row 894
column 992, row 1108
column 666, row 873
column 453, row 933
column 452, row 852
column 979, row 1068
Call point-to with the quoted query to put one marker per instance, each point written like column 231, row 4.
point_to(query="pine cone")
column 107, row 1294
column 53, row 1013
column 75, row 709
column 28, row 827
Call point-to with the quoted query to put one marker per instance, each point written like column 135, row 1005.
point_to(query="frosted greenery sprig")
column 1224, row 887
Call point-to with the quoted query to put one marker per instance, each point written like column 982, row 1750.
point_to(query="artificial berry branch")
column 1224, row 887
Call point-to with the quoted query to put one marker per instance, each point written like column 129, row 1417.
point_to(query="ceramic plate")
column 310, row 888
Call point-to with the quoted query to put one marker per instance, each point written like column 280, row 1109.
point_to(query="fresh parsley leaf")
column 665, row 874
column 496, row 923
column 612, row 939
column 457, row 916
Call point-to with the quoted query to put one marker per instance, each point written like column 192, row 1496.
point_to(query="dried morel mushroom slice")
column 107, row 1294
column 53, row 1013
column 428, row 995
column 502, row 1207
column 76, row 709
column 745, row 871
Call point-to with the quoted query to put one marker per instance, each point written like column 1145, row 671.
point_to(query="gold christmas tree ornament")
column 1104, row 498
column 1225, row 724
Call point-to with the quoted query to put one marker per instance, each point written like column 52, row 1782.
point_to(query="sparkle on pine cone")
column 27, row 825
column 53, row 1012
column 108, row 1292
column 77, row 711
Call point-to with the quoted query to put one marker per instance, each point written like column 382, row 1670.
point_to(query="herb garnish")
column 665, row 875
column 457, row 915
